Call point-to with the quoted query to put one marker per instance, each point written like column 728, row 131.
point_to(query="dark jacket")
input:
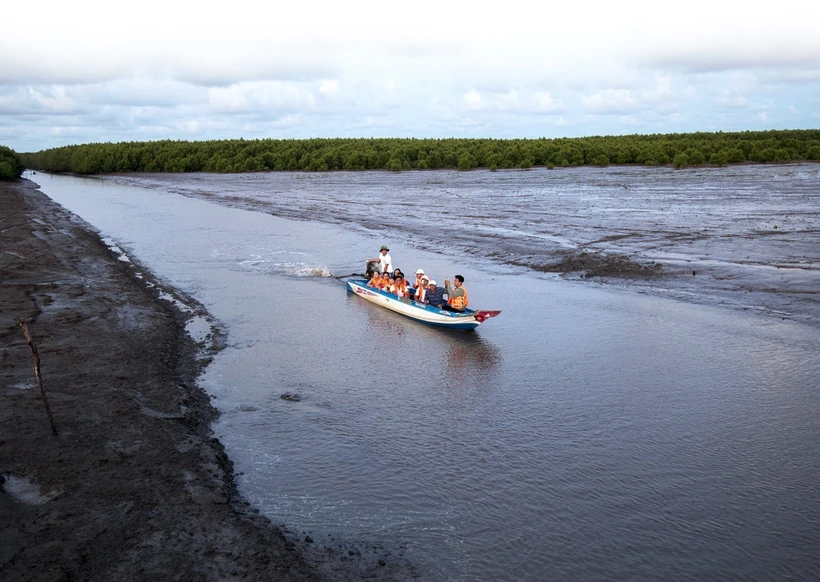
column 436, row 298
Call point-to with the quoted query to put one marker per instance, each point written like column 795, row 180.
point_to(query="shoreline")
column 135, row 486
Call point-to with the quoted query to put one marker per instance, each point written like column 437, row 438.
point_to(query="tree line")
column 11, row 166
column 328, row 154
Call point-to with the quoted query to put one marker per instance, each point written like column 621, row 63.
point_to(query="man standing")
column 384, row 260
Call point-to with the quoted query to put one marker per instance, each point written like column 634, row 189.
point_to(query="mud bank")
column 134, row 486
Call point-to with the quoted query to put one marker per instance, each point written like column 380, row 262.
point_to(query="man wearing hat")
column 420, row 293
column 419, row 277
column 384, row 260
column 434, row 295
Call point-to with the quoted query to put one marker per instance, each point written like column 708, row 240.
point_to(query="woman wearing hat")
column 384, row 260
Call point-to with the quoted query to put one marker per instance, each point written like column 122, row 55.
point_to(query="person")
column 420, row 294
column 399, row 287
column 384, row 259
column 419, row 275
column 457, row 295
column 375, row 281
column 435, row 295
column 384, row 282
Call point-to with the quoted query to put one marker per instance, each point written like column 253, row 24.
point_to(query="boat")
column 467, row 319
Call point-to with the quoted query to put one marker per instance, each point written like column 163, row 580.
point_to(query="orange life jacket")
column 403, row 287
column 459, row 302
column 376, row 281
column 421, row 293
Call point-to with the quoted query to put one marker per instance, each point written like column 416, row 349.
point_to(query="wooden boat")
column 467, row 319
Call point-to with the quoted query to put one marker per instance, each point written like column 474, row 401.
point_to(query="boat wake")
column 309, row 271
column 260, row 264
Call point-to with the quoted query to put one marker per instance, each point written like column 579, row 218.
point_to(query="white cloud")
column 729, row 98
column 46, row 100
column 257, row 96
column 329, row 87
column 543, row 102
column 513, row 101
column 201, row 70
column 610, row 101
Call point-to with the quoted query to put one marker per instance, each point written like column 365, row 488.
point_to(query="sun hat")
column 425, row 278
column 420, row 272
column 432, row 282
column 384, row 248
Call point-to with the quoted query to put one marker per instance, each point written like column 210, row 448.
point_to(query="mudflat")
column 133, row 486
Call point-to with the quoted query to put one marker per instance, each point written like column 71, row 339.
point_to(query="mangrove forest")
column 321, row 155
column 11, row 166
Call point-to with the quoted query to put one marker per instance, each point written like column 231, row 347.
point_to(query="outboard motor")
column 370, row 268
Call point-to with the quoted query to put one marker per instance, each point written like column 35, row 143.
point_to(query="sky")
column 85, row 71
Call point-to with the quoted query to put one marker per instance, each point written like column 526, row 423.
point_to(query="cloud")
column 727, row 58
column 655, row 92
column 201, row 71
column 729, row 98
column 798, row 76
column 38, row 100
column 513, row 101
column 259, row 96
column 610, row 101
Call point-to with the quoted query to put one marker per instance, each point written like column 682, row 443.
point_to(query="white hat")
column 420, row 272
column 432, row 282
column 425, row 278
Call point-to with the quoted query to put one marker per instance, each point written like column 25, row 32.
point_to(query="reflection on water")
column 471, row 358
column 632, row 438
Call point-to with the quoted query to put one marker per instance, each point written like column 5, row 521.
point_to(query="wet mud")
column 595, row 264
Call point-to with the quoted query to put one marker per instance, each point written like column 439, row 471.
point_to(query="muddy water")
column 590, row 432
column 747, row 237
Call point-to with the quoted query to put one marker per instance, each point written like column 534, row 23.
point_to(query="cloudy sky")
column 86, row 70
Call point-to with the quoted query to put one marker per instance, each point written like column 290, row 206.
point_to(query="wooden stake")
column 36, row 357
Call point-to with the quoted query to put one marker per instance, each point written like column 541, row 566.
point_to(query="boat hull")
column 469, row 319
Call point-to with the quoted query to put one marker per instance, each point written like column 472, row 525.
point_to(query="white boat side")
column 469, row 319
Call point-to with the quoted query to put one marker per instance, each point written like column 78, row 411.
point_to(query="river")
column 594, row 430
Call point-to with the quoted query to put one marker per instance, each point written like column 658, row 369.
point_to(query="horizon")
column 425, row 138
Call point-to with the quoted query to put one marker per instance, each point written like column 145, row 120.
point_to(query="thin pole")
column 36, row 357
